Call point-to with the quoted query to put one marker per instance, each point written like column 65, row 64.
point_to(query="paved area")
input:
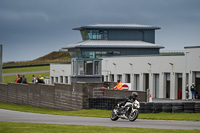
column 16, row 116
column 23, row 73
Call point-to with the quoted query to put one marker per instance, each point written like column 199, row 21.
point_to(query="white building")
column 131, row 56
column 164, row 75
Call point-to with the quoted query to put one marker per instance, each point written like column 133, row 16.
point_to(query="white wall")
column 188, row 63
column 57, row 70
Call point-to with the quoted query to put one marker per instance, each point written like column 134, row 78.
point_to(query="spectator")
column 24, row 81
column 118, row 86
column 41, row 79
column 20, row 79
column 36, row 80
column 17, row 78
column 187, row 92
column 33, row 79
column 193, row 89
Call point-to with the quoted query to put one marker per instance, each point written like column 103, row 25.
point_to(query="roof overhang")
column 118, row 26
column 112, row 44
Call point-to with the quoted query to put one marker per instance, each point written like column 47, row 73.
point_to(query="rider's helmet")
column 134, row 95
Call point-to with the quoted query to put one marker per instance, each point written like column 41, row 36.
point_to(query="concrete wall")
column 58, row 96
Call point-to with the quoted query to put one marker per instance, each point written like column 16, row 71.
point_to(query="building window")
column 52, row 80
column 136, row 81
column 80, row 67
column 97, row 34
column 97, row 67
column 116, row 52
column 127, row 78
column 119, row 77
column 106, row 77
column 61, row 79
column 88, row 67
column 112, row 78
column 66, row 79
column 56, row 79
column 84, row 34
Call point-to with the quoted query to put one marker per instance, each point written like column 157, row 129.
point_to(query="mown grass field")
column 11, row 127
column 26, row 69
column 11, row 79
column 100, row 113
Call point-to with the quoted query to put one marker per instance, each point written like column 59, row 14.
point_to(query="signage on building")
column 126, row 86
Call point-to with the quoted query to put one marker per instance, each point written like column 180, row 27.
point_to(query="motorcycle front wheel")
column 113, row 116
column 133, row 115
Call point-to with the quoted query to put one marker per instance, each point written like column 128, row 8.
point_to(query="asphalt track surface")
column 16, row 116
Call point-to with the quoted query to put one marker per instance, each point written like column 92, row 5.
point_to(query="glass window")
column 119, row 77
column 56, row 79
column 80, row 68
column 103, row 52
column 52, row 80
column 116, row 52
column 88, row 67
column 136, row 81
column 95, row 34
column 84, row 34
column 66, row 79
column 92, row 54
column 73, row 66
column 97, row 67
column 90, row 34
column 61, row 79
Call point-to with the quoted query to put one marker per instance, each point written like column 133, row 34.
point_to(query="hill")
column 53, row 57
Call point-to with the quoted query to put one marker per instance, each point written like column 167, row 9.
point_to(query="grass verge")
column 7, row 79
column 26, row 69
column 100, row 113
column 11, row 127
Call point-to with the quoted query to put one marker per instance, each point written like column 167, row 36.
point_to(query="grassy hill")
column 53, row 57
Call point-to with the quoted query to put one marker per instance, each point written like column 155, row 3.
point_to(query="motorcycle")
column 129, row 111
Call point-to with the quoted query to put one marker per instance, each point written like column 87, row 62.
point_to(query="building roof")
column 191, row 47
column 117, row 26
column 112, row 44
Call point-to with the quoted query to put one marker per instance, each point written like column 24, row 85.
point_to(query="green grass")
column 8, row 79
column 11, row 127
column 86, row 113
column 171, row 116
column 100, row 113
column 53, row 57
column 25, row 69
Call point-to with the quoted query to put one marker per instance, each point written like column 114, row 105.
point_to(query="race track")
column 16, row 116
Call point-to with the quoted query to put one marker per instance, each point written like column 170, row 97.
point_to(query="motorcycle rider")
column 131, row 99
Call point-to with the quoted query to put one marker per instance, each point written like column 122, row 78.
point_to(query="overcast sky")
column 32, row 28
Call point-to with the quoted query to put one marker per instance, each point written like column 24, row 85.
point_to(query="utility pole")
column 1, row 63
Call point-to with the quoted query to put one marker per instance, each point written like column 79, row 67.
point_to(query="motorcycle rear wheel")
column 133, row 115
column 113, row 116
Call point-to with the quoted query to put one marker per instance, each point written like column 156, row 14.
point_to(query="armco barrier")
column 110, row 103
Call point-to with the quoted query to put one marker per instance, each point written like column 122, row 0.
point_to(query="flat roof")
column 192, row 47
column 112, row 44
column 117, row 26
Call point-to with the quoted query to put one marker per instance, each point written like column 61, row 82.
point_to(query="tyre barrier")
column 197, row 107
column 174, row 107
column 177, row 107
